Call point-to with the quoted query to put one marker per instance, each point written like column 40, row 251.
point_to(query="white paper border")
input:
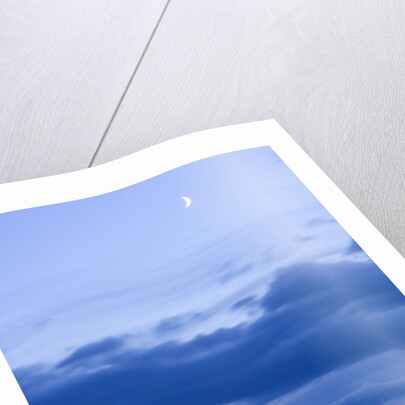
column 10, row 391
column 180, row 151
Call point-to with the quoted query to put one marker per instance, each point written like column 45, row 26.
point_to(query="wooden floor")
column 84, row 82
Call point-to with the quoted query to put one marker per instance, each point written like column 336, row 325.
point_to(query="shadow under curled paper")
column 223, row 281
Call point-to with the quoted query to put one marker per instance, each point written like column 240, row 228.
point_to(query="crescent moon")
column 187, row 201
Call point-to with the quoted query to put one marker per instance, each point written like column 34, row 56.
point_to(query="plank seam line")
column 128, row 84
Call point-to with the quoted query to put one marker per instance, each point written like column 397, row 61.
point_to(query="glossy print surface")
column 253, row 294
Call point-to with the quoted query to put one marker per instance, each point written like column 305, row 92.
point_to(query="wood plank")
column 330, row 71
column 63, row 68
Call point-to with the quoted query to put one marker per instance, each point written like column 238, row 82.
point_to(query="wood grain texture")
column 330, row 71
column 63, row 68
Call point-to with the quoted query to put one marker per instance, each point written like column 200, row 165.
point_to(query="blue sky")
column 252, row 295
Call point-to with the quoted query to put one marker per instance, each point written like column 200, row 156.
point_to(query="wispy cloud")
column 317, row 319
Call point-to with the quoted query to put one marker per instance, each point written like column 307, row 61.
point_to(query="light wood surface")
column 331, row 72
column 63, row 68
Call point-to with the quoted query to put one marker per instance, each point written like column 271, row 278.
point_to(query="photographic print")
column 223, row 281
